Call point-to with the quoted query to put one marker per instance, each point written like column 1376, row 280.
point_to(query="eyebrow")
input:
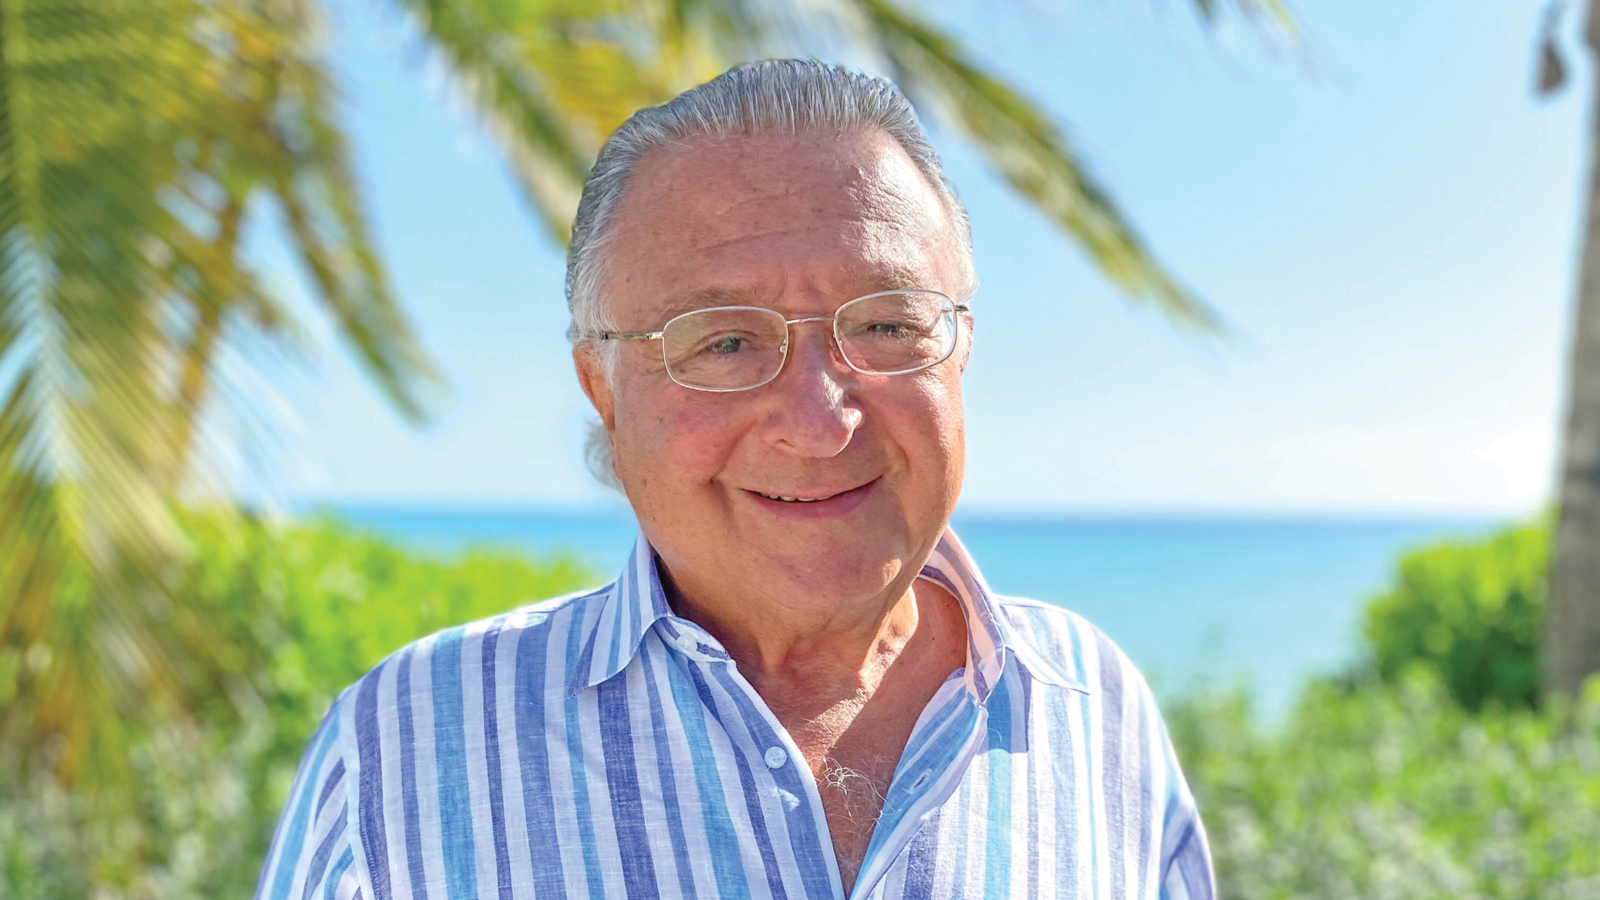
column 897, row 278
column 708, row 297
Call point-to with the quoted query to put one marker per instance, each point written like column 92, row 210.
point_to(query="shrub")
column 297, row 613
column 1470, row 611
column 1395, row 791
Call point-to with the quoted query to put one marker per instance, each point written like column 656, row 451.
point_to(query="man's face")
column 800, row 224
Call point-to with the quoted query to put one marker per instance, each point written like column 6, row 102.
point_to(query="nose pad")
column 830, row 359
column 814, row 417
column 830, row 341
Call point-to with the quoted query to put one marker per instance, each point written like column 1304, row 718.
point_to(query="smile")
column 817, row 496
column 828, row 499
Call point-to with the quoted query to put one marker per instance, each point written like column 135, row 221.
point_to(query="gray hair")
column 770, row 96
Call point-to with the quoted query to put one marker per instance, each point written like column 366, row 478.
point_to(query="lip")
column 839, row 504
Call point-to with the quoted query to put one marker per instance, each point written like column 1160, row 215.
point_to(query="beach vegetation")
column 1470, row 612
column 293, row 612
column 1429, row 768
column 1396, row 790
column 1389, row 780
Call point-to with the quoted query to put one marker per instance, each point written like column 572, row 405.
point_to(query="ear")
column 592, row 378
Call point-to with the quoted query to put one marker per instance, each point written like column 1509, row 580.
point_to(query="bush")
column 296, row 613
column 1429, row 772
column 1386, row 786
column 1396, row 791
column 1470, row 611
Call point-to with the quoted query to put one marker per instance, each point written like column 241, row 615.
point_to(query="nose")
column 813, row 411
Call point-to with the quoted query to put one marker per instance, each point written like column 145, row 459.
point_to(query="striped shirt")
column 597, row 745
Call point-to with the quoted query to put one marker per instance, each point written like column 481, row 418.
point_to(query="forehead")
column 803, row 221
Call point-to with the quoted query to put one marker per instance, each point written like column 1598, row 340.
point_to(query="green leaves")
column 82, row 423
column 1429, row 774
column 1027, row 149
column 292, row 613
column 134, row 138
column 546, row 81
column 1470, row 612
column 1395, row 791
column 1270, row 14
column 553, row 79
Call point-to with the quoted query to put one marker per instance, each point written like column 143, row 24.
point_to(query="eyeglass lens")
column 736, row 347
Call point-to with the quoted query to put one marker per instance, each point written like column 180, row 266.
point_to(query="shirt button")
column 687, row 643
column 776, row 757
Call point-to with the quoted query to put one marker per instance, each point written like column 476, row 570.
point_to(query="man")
column 799, row 685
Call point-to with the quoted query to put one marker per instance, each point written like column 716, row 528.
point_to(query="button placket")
column 908, row 806
column 792, row 785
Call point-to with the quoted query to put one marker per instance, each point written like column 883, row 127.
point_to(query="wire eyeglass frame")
column 952, row 307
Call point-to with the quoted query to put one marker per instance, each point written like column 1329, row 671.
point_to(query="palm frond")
column 133, row 134
column 554, row 78
column 1271, row 15
column 1031, row 153
column 81, row 421
column 517, row 68
column 306, row 164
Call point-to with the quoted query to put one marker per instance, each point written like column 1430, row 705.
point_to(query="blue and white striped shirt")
column 597, row 745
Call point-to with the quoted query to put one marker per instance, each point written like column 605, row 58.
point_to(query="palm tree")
column 138, row 141
column 1570, row 649
column 133, row 138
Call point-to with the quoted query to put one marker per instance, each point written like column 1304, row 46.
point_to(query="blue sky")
column 1390, row 229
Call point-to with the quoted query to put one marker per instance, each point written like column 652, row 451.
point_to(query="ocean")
column 1198, row 603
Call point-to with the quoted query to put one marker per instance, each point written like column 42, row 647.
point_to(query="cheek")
column 659, row 443
column 940, row 426
column 937, row 452
column 954, row 429
column 701, row 441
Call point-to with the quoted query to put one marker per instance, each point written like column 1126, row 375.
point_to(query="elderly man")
column 800, row 685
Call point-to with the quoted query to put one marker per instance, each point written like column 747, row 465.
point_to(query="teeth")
column 789, row 499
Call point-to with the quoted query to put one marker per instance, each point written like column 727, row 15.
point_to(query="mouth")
column 826, row 500
column 796, row 499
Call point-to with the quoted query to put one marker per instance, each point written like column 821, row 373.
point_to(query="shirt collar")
column 635, row 602
column 991, row 637
column 629, row 608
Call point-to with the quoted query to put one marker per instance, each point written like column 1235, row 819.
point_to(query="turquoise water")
column 1196, row 602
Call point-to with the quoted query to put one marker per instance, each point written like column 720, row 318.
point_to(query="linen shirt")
column 597, row 745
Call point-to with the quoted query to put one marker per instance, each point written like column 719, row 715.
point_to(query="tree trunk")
column 1572, row 620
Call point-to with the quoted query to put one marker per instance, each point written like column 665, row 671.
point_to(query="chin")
column 843, row 573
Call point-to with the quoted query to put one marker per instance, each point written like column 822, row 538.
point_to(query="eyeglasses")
column 736, row 348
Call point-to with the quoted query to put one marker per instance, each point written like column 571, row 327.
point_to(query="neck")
column 833, row 652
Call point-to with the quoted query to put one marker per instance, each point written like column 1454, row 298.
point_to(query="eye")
column 724, row 345
column 889, row 329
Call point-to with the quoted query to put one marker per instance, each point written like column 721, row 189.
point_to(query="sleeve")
column 313, row 848
column 1186, row 872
